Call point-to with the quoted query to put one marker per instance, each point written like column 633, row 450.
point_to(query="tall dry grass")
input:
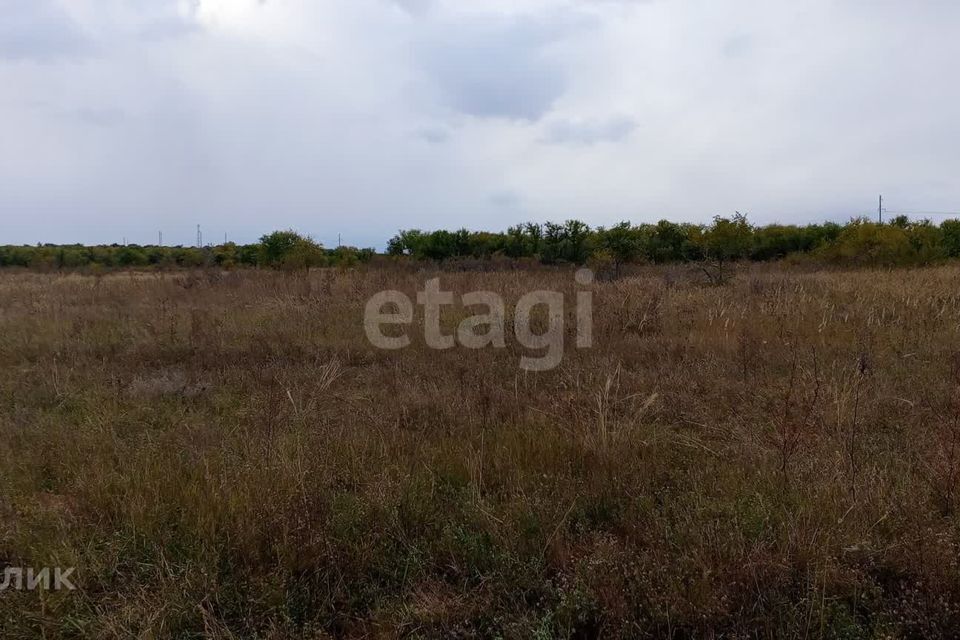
column 225, row 456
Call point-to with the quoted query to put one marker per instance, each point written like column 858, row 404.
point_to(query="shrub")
column 290, row 250
column 866, row 243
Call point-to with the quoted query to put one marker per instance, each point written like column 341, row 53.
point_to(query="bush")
column 290, row 250
column 865, row 243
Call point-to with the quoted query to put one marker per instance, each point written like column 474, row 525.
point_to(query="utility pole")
column 160, row 238
column 199, row 238
column 880, row 211
column 338, row 241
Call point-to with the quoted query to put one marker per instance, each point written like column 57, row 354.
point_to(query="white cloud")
column 588, row 132
column 360, row 117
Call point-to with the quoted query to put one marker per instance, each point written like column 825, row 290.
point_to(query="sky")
column 120, row 119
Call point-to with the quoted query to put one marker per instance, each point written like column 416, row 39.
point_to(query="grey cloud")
column 327, row 116
column 39, row 30
column 167, row 28
column 501, row 68
column 165, row 19
column 433, row 135
column 505, row 199
column 588, row 132
column 737, row 46
column 100, row 117
column 415, row 8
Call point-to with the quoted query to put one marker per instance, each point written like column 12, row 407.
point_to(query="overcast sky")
column 119, row 118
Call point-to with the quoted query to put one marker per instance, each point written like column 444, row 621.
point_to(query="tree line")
column 859, row 242
column 280, row 249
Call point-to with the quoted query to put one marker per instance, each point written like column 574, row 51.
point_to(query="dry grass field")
column 226, row 456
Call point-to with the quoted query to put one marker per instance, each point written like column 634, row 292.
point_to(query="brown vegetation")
column 226, row 456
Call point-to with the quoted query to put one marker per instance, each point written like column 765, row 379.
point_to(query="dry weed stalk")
column 226, row 455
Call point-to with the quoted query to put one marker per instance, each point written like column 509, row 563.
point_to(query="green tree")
column 671, row 242
column 523, row 240
column 406, row 243
column 290, row 250
column 725, row 240
column 567, row 242
column 950, row 234
column 621, row 242
column 865, row 243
